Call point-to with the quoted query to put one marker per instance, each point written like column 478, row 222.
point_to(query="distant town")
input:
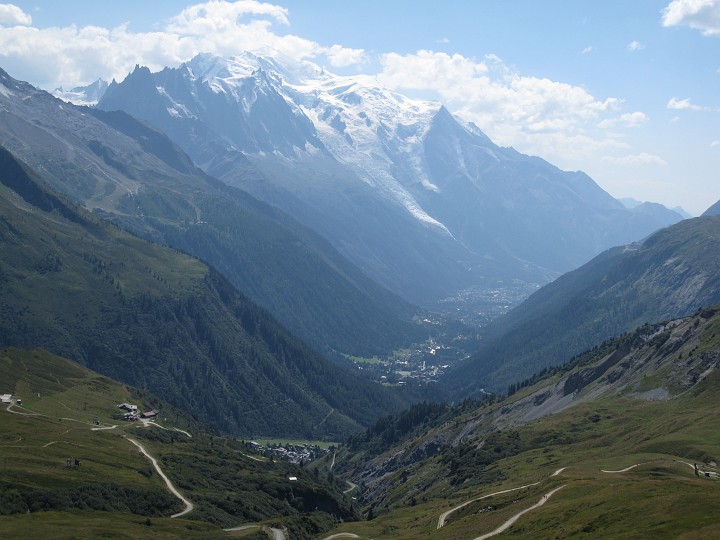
column 298, row 453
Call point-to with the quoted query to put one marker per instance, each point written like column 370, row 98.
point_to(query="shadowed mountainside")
column 158, row 319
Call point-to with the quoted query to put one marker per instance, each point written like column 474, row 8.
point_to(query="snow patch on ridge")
column 178, row 110
column 5, row 91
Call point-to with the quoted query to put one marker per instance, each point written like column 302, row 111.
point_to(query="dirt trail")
column 242, row 528
column 509, row 523
column 626, row 469
column 351, row 488
column 148, row 423
column 12, row 404
column 188, row 505
column 444, row 515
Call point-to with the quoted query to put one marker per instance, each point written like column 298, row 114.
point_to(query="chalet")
column 6, row 398
column 128, row 407
column 149, row 414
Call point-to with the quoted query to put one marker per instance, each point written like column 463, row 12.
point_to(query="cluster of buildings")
column 7, row 398
column 423, row 365
column 294, row 453
column 131, row 413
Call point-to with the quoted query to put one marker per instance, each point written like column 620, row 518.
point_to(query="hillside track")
column 443, row 517
column 188, row 505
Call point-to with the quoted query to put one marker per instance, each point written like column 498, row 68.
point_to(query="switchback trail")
column 188, row 505
column 444, row 515
column 517, row 516
column 351, row 488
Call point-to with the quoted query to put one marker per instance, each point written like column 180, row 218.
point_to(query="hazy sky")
column 625, row 90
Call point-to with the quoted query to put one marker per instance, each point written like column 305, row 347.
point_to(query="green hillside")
column 618, row 431
column 670, row 274
column 116, row 492
column 158, row 319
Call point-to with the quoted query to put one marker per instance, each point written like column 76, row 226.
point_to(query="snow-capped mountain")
column 83, row 95
column 423, row 202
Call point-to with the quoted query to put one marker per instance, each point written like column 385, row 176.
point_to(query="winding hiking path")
column 188, row 505
column 13, row 404
column 242, row 528
column 626, row 469
column 509, row 523
column 351, row 488
column 147, row 423
column 443, row 517
column 101, row 428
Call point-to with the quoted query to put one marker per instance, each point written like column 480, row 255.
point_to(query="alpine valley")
column 235, row 248
column 422, row 202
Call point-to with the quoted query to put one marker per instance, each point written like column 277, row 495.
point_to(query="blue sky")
column 627, row 91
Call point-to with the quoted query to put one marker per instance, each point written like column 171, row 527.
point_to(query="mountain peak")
column 83, row 95
column 714, row 210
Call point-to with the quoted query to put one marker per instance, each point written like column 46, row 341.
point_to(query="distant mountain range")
column 634, row 203
column 134, row 176
column 421, row 201
column 670, row 274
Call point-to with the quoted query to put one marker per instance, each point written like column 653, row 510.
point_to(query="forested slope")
column 158, row 319
column 671, row 274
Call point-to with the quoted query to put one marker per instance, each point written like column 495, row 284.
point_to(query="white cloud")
column 642, row 158
column 635, row 46
column 428, row 70
column 715, row 143
column 703, row 15
column 52, row 57
column 557, row 120
column 11, row 15
column 443, row 40
column 538, row 116
column 217, row 16
column 586, row 50
column 628, row 120
column 342, row 56
column 682, row 104
column 491, row 94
